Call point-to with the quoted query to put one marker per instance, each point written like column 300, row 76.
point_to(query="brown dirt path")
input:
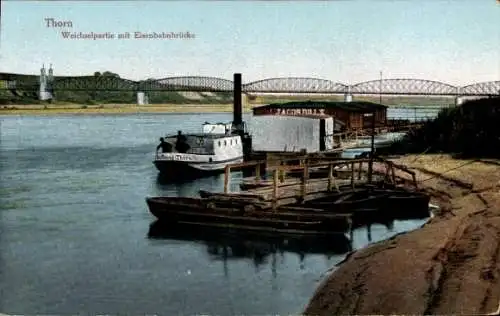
column 449, row 266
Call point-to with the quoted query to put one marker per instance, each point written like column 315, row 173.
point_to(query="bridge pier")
column 142, row 98
column 347, row 97
column 45, row 82
column 459, row 101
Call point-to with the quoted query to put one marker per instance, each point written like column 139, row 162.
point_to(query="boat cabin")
column 207, row 144
column 217, row 128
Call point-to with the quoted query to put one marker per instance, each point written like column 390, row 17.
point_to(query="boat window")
column 236, row 142
column 231, row 142
column 225, row 143
column 219, row 143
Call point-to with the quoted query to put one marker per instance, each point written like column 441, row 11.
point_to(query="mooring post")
column 305, row 175
column 372, row 149
column 257, row 172
column 330, row 176
column 360, row 169
column 275, row 186
column 282, row 172
column 352, row 175
column 227, row 172
column 414, row 180
column 393, row 174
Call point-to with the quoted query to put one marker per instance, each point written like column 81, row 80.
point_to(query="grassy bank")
column 36, row 109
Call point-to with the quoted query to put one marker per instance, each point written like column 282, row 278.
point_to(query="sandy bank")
column 449, row 266
column 116, row 109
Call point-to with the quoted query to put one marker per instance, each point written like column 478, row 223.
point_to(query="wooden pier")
column 280, row 190
column 291, row 202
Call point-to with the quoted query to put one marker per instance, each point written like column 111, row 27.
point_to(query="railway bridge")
column 46, row 85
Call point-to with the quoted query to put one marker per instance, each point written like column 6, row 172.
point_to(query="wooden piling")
column 414, row 177
column 282, row 171
column 330, row 177
column 282, row 189
column 275, row 186
column 360, row 169
column 227, row 173
column 387, row 175
column 393, row 174
column 352, row 175
column 305, row 176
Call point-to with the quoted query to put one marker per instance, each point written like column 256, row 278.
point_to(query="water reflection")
column 226, row 245
column 388, row 224
column 190, row 187
column 260, row 248
column 163, row 179
column 184, row 186
column 387, row 219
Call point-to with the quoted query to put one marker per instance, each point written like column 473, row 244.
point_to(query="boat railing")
column 191, row 151
column 199, row 151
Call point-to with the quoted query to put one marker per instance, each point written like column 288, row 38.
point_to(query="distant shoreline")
column 117, row 109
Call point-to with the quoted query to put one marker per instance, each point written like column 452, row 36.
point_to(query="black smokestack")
column 237, row 108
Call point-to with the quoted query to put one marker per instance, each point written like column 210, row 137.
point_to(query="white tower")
column 142, row 98
column 50, row 78
column 45, row 82
column 50, row 81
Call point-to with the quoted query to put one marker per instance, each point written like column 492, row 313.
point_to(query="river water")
column 74, row 228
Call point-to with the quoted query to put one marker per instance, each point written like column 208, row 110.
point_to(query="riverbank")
column 117, row 109
column 449, row 266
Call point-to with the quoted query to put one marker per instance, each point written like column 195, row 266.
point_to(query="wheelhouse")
column 206, row 144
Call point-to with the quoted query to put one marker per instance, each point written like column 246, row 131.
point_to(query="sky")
column 457, row 42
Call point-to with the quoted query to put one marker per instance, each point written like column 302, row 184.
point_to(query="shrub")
column 469, row 130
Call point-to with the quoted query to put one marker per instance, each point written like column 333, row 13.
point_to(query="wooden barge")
column 245, row 216
column 304, row 206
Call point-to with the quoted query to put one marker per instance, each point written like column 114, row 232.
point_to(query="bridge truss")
column 271, row 85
